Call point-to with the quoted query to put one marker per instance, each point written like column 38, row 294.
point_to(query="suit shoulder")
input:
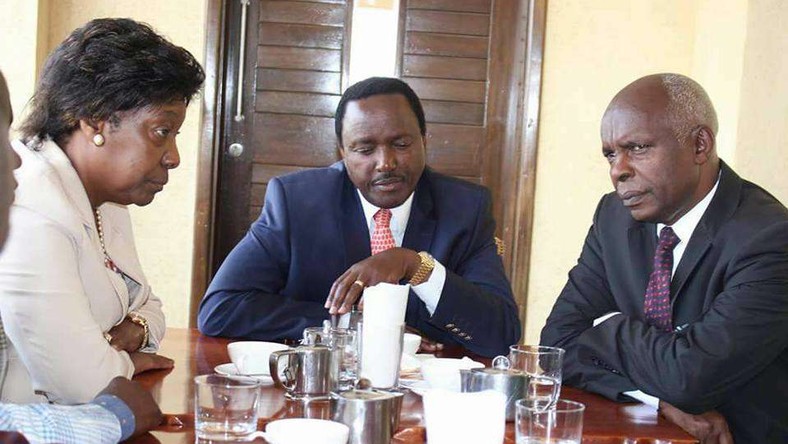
column 452, row 186
column 41, row 190
column 610, row 208
column 757, row 200
column 757, row 210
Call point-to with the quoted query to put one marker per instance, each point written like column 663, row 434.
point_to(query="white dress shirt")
column 429, row 291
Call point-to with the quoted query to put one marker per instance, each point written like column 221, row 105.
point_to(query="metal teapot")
column 501, row 378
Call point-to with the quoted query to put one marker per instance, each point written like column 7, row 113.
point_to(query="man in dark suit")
column 695, row 321
column 380, row 215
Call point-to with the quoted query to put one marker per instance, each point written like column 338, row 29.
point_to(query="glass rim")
column 246, row 382
column 570, row 406
column 536, row 349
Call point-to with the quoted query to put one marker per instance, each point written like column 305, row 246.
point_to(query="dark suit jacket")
column 312, row 228
column 730, row 304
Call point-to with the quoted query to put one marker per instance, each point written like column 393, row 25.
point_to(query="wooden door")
column 295, row 68
column 466, row 59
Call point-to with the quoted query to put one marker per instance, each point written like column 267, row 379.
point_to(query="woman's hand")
column 127, row 336
column 150, row 361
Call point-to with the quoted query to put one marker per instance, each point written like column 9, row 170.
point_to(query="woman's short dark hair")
column 105, row 67
column 374, row 86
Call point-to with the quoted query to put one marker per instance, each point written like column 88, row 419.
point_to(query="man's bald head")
column 658, row 134
column 685, row 104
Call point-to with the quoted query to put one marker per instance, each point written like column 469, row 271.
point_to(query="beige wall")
column 762, row 150
column 735, row 48
column 18, row 47
column 163, row 229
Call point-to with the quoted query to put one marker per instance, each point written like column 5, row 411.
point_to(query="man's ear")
column 340, row 150
column 703, row 142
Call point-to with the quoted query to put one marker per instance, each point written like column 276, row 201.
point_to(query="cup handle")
column 241, row 366
column 555, row 389
column 260, row 434
column 273, row 367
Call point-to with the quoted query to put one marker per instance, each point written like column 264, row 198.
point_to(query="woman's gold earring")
column 98, row 140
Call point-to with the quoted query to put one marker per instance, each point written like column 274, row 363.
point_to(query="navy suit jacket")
column 312, row 228
column 729, row 298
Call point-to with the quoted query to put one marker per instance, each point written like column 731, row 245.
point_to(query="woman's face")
column 139, row 150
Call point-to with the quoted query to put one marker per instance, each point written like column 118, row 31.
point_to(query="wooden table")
column 605, row 422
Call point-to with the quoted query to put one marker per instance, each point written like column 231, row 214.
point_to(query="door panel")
column 296, row 61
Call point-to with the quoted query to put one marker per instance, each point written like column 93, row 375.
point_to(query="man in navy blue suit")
column 309, row 254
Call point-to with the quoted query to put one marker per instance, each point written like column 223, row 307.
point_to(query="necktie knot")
column 382, row 239
column 667, row 239
column 382, row 218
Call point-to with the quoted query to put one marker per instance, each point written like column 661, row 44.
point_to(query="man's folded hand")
column 709, row 427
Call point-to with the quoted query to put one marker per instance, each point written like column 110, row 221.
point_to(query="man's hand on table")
column 146, row 412
column 149, row 361
column 391, row 266
column 708, row 428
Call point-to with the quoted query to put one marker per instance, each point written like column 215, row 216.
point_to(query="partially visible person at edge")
column 379, row 215
column 121, row 410
column 99, row 135
column 680, row 296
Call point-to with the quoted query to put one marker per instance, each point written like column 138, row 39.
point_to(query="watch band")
column 142, row 322
column 424, row 270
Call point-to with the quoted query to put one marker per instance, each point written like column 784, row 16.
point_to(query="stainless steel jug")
column 309, row 372
column 372, row 415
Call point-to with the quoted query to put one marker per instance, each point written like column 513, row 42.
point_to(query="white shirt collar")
column 685, row 226
column 399, row 215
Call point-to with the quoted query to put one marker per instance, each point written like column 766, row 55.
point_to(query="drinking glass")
column 538, row 422
column 343, row 343
column 543, row 367
column 225, row 407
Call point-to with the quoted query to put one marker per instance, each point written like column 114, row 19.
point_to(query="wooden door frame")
column 519, row 142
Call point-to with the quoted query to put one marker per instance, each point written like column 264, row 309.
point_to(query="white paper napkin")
column 381, row 348
column 385, row 304
column 443, row 410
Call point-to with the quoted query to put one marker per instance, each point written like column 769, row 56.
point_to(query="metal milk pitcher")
column 372, row 415
column 310, row 372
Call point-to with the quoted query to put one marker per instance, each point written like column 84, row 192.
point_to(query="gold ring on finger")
column 360, row 283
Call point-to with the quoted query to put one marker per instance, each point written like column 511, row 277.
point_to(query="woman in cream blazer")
column 100, row 135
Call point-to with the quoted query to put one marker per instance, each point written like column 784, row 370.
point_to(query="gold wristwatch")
column 142, row 322
column 424, row 270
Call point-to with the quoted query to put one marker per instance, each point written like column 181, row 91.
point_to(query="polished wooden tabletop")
column 605, row 422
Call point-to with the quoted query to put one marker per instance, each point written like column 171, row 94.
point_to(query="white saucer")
column 418, row 386
column 229, row 369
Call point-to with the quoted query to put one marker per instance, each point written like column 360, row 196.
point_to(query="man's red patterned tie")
column 382, row 239
column 656, row 305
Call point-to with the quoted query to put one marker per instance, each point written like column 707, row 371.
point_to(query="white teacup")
column 306, row 431
column 444, row 373
column 251, row 357
column 410, row 343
